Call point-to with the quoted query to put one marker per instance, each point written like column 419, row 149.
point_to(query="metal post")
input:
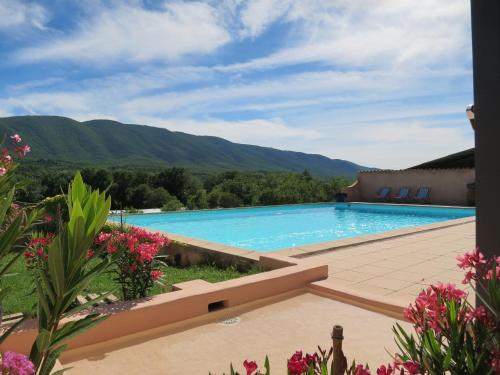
column 121, row 217
column 486, row 57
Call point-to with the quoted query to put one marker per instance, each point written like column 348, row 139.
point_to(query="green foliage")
column 152, row 189
column 55, row 211
column 21, row 298
column 103, row 141
column 68, row 274
column 461, row 339
column 15, row 225
column 172, row 204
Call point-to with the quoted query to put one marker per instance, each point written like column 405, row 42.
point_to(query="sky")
column 382, row 83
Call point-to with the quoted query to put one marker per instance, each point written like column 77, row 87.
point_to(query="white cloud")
column 15, row 13
column 133, row 34
column 398, row 144
column 259, row 14
column 389, row 80
column 256, row 131
column 367, row 33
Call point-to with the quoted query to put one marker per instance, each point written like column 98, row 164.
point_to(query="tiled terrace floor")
column 400, row 268
column 277, row 329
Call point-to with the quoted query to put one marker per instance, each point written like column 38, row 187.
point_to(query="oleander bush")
column 16, row 222
column 135, row 252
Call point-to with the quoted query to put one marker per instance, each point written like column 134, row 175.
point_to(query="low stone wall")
column 183, row 254
column 448, row 186
column 191, row 301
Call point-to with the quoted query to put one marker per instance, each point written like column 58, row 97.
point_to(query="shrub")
column 15, row 225
column 55, row 212
column 172, row 204
column 135, row 251
column 62, row 272
column 157, row 198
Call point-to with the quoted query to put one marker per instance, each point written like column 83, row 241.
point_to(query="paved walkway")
column 400, row 268
column 277, row 329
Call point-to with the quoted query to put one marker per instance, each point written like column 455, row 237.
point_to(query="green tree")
column 157, row 198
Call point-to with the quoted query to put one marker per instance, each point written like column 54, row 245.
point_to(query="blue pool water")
column 276, row 227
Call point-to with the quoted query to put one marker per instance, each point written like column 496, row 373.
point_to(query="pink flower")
column 478, row 314
column 90, row 253
column 3, row 171
column 102, row 237
column 146, row 252
column 6, row 158
column 16, row 138
column 361, row 370
column 489, row 274
column 28, row 254
column 156, row 275
column 296, row 364
column 382, row 370
column 250, row 366
column 48, row 218
column 22, row 151
column 16, row 364
column 412, row 367
column 111, row 248
column 471, row 261
column 429, row 309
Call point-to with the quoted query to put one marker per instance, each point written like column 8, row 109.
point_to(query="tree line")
column 177, row 188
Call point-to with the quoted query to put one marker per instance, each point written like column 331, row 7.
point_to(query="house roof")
column 462, row 159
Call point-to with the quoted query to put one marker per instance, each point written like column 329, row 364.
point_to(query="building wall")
column 448, row 186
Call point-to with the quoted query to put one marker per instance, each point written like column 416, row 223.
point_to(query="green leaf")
column 267, row 366
column 50, row 362
column 62, row 371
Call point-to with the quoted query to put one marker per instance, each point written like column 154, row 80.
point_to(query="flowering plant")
column 452, row 336
column 136, row 258
column 62, row 272
column 15, row 364
column 36, row 254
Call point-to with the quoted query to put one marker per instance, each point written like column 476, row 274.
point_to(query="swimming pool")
column 271, row 228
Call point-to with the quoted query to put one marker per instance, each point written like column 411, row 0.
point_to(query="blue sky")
column 378, row 82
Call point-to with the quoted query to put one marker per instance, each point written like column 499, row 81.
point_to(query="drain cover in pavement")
column 230, row 321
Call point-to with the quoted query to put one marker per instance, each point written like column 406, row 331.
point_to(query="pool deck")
column 277, row 329
column 399, row 268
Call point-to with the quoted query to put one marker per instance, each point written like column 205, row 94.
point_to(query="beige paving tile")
column 389, row 283
column 353, row 276
column 407, row 276
column 413, row 289
column 374, row 270
column 335, row 281
column 366, row 287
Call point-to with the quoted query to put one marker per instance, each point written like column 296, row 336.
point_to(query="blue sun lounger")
column 383, row 193
column 422, row 195
column 403, row 195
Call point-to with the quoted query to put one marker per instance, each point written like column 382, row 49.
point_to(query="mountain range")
column 107, row 142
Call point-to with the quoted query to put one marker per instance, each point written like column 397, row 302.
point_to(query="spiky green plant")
column 68, row 273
